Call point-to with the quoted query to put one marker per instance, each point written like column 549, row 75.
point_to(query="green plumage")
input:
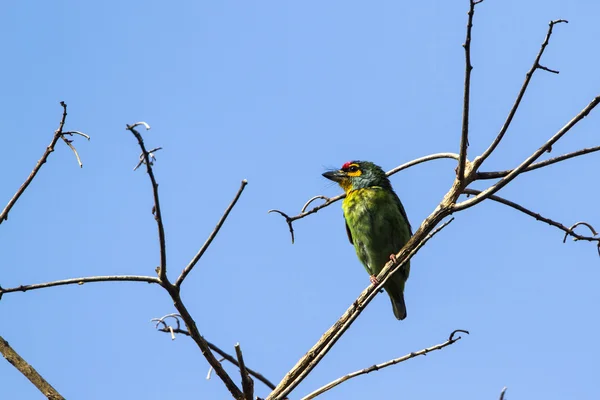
column 376, row 223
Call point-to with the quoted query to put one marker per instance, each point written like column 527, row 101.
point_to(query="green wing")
column 350, row 234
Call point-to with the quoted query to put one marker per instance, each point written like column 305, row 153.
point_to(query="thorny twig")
column 451, row 340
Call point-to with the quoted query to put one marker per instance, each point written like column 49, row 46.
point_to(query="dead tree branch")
column 177, row 329
column 162, row 272
column 174, row 290
column 451, row 340
column 537, row 165
column 80, row 281
column 28, row 371
column 568, row 231
column 247, row 383
column 57, row 135
column 517, row 171
column 464, row 138
column 213, row 234
column 536, row 65
column 310, row 360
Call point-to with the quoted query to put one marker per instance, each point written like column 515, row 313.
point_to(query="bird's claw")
column 374, row 280
column 393, row 258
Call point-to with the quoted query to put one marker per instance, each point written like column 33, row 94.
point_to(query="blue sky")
column 276, row 92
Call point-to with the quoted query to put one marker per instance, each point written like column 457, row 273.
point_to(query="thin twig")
column 168, row 328
column 537, row 165
column 247, row 383
column 202, row 344
column 464, row 138
column 376, row 367
column 69, row 143
column 57, row 134
column 306, row 364
column 502, row 393
column 151, row 157
column 319, row 196
column 81, row 281
column 568, row 231
column 536, row 65
column 213, row 234
column 517, row 171
column 162, row 272
column 28, row 371
column 330, row 200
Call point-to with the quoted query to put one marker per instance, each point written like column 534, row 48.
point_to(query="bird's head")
column 358, row 175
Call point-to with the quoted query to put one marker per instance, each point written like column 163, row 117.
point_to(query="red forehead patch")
column 346, row 165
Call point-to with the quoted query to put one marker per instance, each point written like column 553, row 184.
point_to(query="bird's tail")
column 398, row 305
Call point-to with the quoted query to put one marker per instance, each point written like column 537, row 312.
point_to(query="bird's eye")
column 353, row 168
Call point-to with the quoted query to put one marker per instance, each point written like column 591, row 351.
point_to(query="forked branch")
column 536, row 65
column 57, row 135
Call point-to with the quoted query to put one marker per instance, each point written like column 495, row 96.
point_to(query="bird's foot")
column 393, row 258
column 374, row 280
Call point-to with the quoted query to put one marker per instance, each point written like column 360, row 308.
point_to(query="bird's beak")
column 336, row 176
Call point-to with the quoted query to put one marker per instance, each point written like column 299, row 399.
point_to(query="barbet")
column 376, row 223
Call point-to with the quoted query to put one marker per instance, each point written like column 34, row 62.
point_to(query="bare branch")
column 81, row 281
column 202, row 344
column 28, row 371
column 168, row 329
column 464, row 138
column 376, row 367
column 306, row 364
column 502, row 393
column 536, row 65
column 214, row 233
column 319, row 196
column 151, row 157
column 568, row 231
column 330, row 200
column 247, row 383
column 162, row 272
column 515, row 172
column 537, row 165
column 57, row 135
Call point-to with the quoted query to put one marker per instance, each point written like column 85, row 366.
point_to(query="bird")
column 376, row 224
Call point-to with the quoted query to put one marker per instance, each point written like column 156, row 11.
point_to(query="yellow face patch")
column 346, row 184
column 354, row 170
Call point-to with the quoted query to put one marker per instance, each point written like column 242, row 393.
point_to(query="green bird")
column 376, row 223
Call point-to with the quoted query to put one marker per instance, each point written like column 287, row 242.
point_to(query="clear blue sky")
column 275, row 92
